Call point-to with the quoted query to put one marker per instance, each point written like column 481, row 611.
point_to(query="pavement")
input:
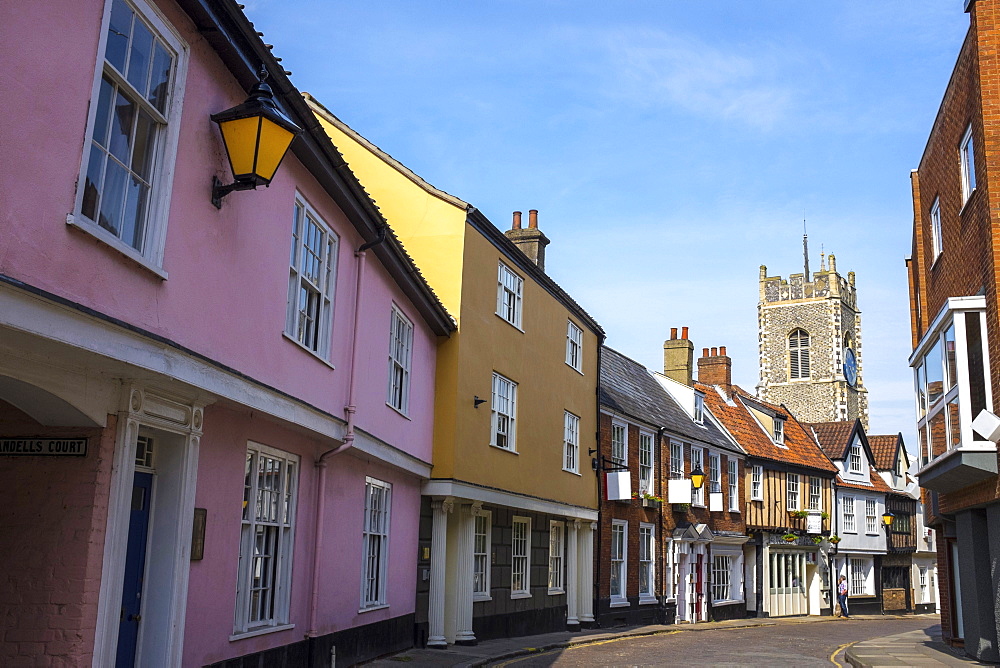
column 923, row 648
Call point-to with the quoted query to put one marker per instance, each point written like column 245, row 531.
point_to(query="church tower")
column 810, row 345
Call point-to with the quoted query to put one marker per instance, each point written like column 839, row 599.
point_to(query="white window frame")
column 322, row 285
column 647, row 563
column 922, row 579
column 699, row 408
column 481, row 558
column 557, row 548
column 733, row 483
column 698, row 495
column 792, row 497
column 283, row 543
column 510, row 294
column 574, row 346
column 571, row 443
column 714, row 473
column 756, row 482
column 848, row 511
column 164, row 160
column 520, row 557
column 937, row 246
column 871, row 517
column 676, row 460
column 400, row 360
column 722, row 566
column 967, row 152
column 645, row 462
column 619, row 442
column 669, row 569
column 855, row 459
column 375, row 539
column 503, row 416
column 859, row 576
column 619, row 562
column 815, row 493
column 778, row 435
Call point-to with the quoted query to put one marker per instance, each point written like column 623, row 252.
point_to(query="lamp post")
column 257, row 136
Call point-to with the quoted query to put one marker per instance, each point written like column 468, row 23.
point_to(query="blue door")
column 135, row 567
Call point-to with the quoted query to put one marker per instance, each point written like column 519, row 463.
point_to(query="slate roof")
column 801, row 448
column 628, row 387
column 884, row 448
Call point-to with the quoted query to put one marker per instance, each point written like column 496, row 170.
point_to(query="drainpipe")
column 350, row 409
column 835, row 523
column 659, row 519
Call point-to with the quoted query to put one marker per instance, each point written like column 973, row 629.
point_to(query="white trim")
column 264, row 631
column 526, row 575
column 496, row 497
column 619, row 599
column 129, row 353
column 561, row 526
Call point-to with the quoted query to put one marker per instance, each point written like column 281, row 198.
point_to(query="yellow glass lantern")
column 887, row 518
column 697, row 477
column 257, row 136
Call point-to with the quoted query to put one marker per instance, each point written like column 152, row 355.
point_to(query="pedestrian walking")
column 842, row 596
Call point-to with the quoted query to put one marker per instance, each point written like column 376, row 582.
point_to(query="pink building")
column 214, row 423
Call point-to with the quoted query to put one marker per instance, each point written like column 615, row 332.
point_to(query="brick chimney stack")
column 530, row 240
column 715, row 368
column 678, row 357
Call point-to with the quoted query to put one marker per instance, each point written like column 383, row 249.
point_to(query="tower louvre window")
column 798, row 354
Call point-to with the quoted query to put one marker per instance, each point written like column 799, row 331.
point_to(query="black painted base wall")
column 864, row 606
column 924, row 609
column 607, row 617
column 731, row 611
column 524, row 623
column 361, row 643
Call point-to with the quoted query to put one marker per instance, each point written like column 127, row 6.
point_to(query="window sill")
column 260, row 632
column 728, row 601
column 397, row 410
column 619, row 603
column 556, row 592
column 574, row 368
column 373, row 608
column 116, row 244
column 477, row 598
column 515, row 326
column 507, row 450
column 520, row 594
column 306, row 350
column 576, row 473
column 647, row 600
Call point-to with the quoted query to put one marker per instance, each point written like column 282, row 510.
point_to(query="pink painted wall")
column 228, row 269
column 212, row 586
column 53, row 512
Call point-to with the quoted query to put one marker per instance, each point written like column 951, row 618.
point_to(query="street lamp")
column 697, row 477
column 887, row 518
column 257, row 136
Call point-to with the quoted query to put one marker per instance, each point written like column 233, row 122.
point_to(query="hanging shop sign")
column 53, row 447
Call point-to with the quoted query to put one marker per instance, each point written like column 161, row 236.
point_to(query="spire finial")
column 805, row 249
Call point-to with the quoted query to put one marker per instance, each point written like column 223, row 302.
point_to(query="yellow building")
column 510, row 509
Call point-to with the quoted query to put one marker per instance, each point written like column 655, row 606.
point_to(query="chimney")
column 715, row 368
column 531, row 241
column 678, row 357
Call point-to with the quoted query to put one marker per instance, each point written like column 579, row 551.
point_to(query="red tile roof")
column 834, row 437
column 884, row 448
column 800, row 448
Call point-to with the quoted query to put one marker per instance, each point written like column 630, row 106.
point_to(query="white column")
column 463, row 579
column 586, row 579
column 439, row 554
column 572, row 577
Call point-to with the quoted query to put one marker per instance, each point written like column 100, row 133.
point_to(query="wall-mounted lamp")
column 476, row 401
column 257, row 136
column 697, row 477
column 887, row 518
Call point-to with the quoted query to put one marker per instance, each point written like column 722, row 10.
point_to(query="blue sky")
column 670, row 146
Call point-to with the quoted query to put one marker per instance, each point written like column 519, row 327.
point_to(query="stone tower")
column 810, row 345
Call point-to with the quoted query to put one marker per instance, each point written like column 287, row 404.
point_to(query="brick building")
column 953, row 278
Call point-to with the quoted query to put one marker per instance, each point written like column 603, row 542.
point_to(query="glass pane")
column 954, row 427
column 121, row 128
column 920, row 381
column 113, row 196
column 140, row 55
column 92, row 185
column 103, row 112
column 977, row 370
column 935, row 375
column 937, row 434
column 159, row 78
column 246, row 484
column 949, row 356
column 118, row 32
column 145, row 146
column 133, row 222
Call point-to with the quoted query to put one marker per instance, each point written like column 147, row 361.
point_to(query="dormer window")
column 854, row 462
column 779, row 430
column 699, row 409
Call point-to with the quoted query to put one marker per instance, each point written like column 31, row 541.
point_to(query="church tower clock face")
column 810, row 345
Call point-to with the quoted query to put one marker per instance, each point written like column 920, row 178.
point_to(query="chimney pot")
column 722, row 351
column 673, row 333
column 704, row 352
column 684, row 333
column 715, row 352
column 533, row 219
column 517, row 221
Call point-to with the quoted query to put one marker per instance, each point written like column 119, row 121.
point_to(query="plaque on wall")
column 44, row 447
